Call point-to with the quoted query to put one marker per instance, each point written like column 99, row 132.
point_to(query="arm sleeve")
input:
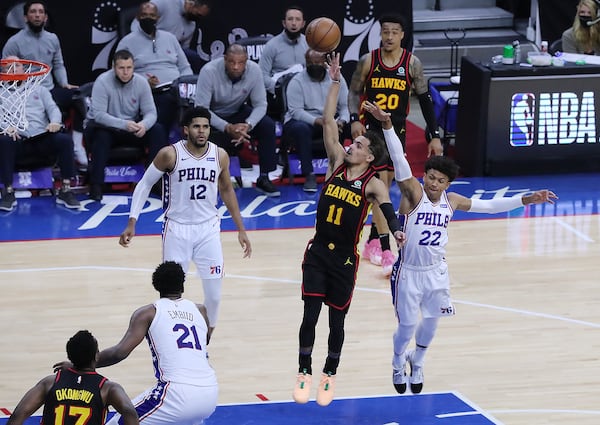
column 402, row 169
column 426, row 104
column 492, row 206
column 390, row 216
column 142, row 190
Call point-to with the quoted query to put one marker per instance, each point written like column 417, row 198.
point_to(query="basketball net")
column 18, row 78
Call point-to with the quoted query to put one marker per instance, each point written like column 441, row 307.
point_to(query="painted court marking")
column 476, row 412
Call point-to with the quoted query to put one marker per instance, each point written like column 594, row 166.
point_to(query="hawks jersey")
column 426, row 228
column 191, row 188
column 177, row 339
column 342, row 209
column 75, row 399
column 389, row 88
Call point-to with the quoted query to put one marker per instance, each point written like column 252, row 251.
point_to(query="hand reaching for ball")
column 333, row 66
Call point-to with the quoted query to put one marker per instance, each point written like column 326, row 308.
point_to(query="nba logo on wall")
column 522, row 112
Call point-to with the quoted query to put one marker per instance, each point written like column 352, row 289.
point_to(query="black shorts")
column 329, row 274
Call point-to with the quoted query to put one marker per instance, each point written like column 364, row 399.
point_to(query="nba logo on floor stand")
column 522, row 115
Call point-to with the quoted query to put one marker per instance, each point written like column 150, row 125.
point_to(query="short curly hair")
column 81, row 349
column 168, row 278
column 444, row 165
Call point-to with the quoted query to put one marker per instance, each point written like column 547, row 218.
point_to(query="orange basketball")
column 323, row 35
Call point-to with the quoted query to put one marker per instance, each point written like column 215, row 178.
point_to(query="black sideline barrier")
column 527, row 120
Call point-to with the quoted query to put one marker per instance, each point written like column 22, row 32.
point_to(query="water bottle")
column 517, row 52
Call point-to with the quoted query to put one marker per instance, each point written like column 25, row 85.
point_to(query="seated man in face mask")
column 181, row 18
column 283, row 54
column 306, row 94
column 159, row 57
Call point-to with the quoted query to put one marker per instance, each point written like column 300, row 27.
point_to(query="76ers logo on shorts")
column 522, row 112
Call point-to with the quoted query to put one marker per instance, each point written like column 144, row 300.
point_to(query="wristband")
column 353, row 118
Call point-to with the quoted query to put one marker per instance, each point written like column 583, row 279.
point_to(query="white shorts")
column 422, row 289
column 173, row 403
column 199, row 243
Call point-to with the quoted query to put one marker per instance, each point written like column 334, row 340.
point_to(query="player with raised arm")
column 420, row 280
column 331, row 257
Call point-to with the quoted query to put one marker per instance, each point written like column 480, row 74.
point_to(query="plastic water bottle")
column 517, row 52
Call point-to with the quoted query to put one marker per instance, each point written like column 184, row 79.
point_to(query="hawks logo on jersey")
column 343, row 194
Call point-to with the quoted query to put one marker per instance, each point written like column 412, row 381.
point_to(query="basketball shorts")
column 198, row 243
column 424, row 289
column 173, row 403
column 329, row 274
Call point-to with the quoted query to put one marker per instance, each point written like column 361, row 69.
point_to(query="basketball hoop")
column 18, row 78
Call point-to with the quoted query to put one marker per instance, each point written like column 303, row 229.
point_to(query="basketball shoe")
column 399, row 378
column 325, row 390
column 372, row 251
column 302, row 387
column 387, row 262
column 416, row 375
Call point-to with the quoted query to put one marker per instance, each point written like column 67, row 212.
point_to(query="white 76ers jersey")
column 177, row 339
column 191, row 189
column 426, row 228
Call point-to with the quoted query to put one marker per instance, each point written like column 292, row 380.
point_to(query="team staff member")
column 386, row 76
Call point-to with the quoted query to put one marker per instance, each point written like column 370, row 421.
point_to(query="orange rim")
column 9, row 76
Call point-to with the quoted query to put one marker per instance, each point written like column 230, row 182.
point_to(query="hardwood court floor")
column 523, row 346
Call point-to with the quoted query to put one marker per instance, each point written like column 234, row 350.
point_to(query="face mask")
column 148, row 25
column 583, row 20
column 35, row 28
column 316, row 72
column 292, row 35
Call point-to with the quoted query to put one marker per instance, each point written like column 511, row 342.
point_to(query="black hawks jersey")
column 75, row 399
column 389, row 88
column 342, row 210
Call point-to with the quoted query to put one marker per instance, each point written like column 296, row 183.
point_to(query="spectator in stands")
column 306, row 94
column 35, row 43
column 285, row 50
column 180, row 18
column 121, row 110
column 583, row 37
column 159, row 57
column 232, row 89
column 43, row 136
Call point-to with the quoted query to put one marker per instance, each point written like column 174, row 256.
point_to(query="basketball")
column 323, row 35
